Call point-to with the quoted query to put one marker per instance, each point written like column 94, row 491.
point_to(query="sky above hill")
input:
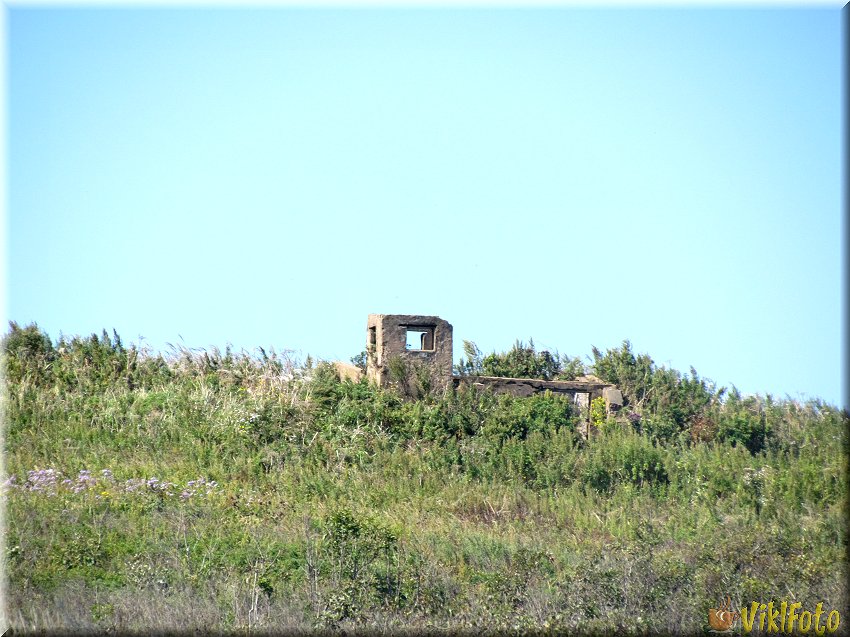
column 270, row 177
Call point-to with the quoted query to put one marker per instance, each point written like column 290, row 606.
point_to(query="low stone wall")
column 530, row 386
column 581, row 392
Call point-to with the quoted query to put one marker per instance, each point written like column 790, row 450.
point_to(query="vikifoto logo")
column 772, row 618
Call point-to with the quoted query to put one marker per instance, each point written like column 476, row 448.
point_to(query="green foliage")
column 522, row 361
column 359, row 360
column 471, row 365
column 27, row 343
column 571, row 368
column 519, row 417
column 27, row 351
column 251, row 493
column 661, row 428
column 398, row 370
column 326, row 388
column 632, row 374
column 744, row 422
column 598, row 413
column 618, row 458
column 668, row 402
column 410, row 378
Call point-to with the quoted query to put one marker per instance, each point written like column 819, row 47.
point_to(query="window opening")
column 419, row 338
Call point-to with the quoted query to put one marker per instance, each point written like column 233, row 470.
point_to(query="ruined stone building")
column 420, row 340
column 426, row 342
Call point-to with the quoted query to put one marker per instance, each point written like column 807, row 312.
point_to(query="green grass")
column 343, row 505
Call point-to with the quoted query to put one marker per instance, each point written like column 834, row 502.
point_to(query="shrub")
column 623, row 457
column 703, row 429
column 410, row 378
column 660, row 428
column 632, row 374
column 359, row 360
column 27, row 351
column 360, row 553
column 522, row 361
column 671, row 400
column 744, row 428
column 598, row 413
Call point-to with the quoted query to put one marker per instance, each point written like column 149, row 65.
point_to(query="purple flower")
column 134, row 484
column 158, row 486
column 200, row 486
column 85, row 481
column 42, row 480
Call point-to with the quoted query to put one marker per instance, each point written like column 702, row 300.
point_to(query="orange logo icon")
column 721, row 619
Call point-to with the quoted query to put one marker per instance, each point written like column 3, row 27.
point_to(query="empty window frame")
column 419, row 337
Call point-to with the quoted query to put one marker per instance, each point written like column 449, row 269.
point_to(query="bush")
column 660, row 428
column 362, row 558
column 521, row 361
column 27, row 351
column 669, row 401
column 518, row 417
column 632, row 374
column 623, row 457
column 742, row 427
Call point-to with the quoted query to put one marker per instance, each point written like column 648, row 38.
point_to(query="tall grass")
column 236, row 491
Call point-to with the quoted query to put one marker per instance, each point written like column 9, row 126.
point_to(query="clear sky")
column 270, row 177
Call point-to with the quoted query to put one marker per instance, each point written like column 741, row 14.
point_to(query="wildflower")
column 158, row 486
column 85, row 481
column 200, row 486
column 42, row 480
column 133, row 484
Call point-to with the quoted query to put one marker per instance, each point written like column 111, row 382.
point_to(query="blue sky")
column 270, row 177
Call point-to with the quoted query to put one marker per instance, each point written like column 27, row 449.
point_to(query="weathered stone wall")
column 529, row 386
column 386, row 338
column 581, row 392
column 347, row 371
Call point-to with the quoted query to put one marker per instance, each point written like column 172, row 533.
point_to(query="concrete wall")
column 580, row 392
column 529, row 386
column 386, row 338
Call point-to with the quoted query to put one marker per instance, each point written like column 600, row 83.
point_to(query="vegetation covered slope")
column 229, row 491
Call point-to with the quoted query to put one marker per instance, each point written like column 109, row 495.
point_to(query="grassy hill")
column 224, row 491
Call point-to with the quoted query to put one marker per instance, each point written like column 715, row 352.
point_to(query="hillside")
column 231, row 491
